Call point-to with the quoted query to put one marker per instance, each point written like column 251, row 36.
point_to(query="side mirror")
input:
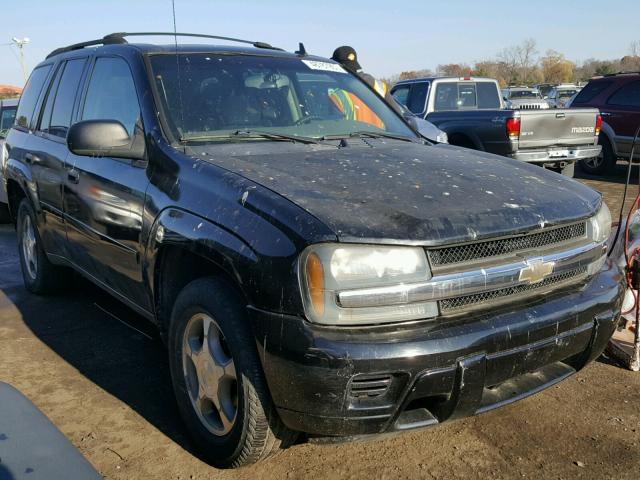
column 104, row 138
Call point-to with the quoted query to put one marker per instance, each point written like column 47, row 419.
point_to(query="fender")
column 23, row 176
column 608, row 132
column 467, row 133
column 180, row 228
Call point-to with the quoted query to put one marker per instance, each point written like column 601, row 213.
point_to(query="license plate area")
column 558, row 153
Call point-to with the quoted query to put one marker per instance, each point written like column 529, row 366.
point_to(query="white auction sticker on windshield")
column 326, row 66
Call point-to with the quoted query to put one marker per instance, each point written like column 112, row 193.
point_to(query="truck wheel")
column 39, row 274
column 601, row 164
column 217, row 377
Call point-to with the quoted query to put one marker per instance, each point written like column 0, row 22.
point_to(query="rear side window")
column 29, row 99
column 627, row 96
column 488, row 96
column 591, row 91
column 65, row 97
column 112, row 94
column 418, row 97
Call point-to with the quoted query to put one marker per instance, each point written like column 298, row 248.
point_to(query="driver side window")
column 112, row 94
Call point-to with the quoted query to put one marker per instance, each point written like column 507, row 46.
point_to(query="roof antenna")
column 301, row 50
column 175, row 39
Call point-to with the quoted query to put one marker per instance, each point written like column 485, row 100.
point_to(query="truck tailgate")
column 561, row 127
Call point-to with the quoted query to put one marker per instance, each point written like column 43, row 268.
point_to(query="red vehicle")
column 618, row 98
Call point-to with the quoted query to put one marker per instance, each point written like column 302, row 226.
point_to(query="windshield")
column 229, row 97
column 7, row 117
column 524, row 94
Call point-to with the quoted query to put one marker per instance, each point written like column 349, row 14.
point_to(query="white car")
column 559, row 96
column 7, row 117
column 523, row 98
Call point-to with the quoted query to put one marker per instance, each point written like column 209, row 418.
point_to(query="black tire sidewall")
column 219, row 304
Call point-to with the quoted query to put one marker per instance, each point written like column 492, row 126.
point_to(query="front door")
column 104, row 197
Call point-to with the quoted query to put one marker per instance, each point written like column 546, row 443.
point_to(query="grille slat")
column 494, row 248
column 451, row 305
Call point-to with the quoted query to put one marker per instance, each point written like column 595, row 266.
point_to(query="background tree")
column 556, row 68
column 454, row 70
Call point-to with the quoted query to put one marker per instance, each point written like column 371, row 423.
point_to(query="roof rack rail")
column 119, row 38
column 620, row 73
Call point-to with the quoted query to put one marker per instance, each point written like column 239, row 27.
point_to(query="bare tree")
column 634, row 48
column 527, row 53
column 509, row 59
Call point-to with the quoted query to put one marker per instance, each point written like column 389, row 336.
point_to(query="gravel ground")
column 100, row 374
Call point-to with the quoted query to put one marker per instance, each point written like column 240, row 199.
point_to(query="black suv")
column 312, row 263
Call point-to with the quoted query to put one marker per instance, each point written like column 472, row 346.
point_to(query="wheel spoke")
column 226, row 418
column 207, row 332
column 230, row 369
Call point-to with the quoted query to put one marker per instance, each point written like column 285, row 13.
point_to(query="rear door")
column 104, row 197
column 622, row 112
column 48, row 150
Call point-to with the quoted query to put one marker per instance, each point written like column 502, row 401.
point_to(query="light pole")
column 20, row 43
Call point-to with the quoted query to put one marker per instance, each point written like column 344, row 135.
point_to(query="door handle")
column 31, row 158
column 73, row 176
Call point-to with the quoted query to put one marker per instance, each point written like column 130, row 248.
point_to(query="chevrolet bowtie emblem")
column 536, row 270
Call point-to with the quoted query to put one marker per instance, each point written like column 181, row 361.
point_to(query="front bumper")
column 553, row 155
column 339, row 382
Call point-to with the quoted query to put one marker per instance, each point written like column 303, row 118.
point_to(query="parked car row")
column 472, row 113
column 523, row 98
column 7, row 118
column 313, row 264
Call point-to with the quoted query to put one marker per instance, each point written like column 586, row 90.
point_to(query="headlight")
column 599, row 226
column 442, row 137
column 362, row 284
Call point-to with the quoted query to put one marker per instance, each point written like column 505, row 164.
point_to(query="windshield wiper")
column 369, row 134
column 254, row 134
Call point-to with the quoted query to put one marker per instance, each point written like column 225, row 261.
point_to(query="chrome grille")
column 494, row 248
column 451, row 305
column 530, row 106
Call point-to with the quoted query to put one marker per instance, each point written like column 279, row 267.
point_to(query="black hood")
column 409, row 193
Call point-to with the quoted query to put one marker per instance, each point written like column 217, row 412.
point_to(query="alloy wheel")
column 29, row 244
column 210, row 374
column 595, row 162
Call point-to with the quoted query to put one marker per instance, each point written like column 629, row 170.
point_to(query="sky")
column 389, row 36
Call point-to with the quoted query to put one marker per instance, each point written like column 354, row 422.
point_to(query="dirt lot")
column 98, row 372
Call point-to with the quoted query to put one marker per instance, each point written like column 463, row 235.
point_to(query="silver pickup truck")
column 471, row 111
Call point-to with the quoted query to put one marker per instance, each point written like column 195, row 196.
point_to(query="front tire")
column 217, row 377
column 5, row 217
column 601, row 164
column 39, row 274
